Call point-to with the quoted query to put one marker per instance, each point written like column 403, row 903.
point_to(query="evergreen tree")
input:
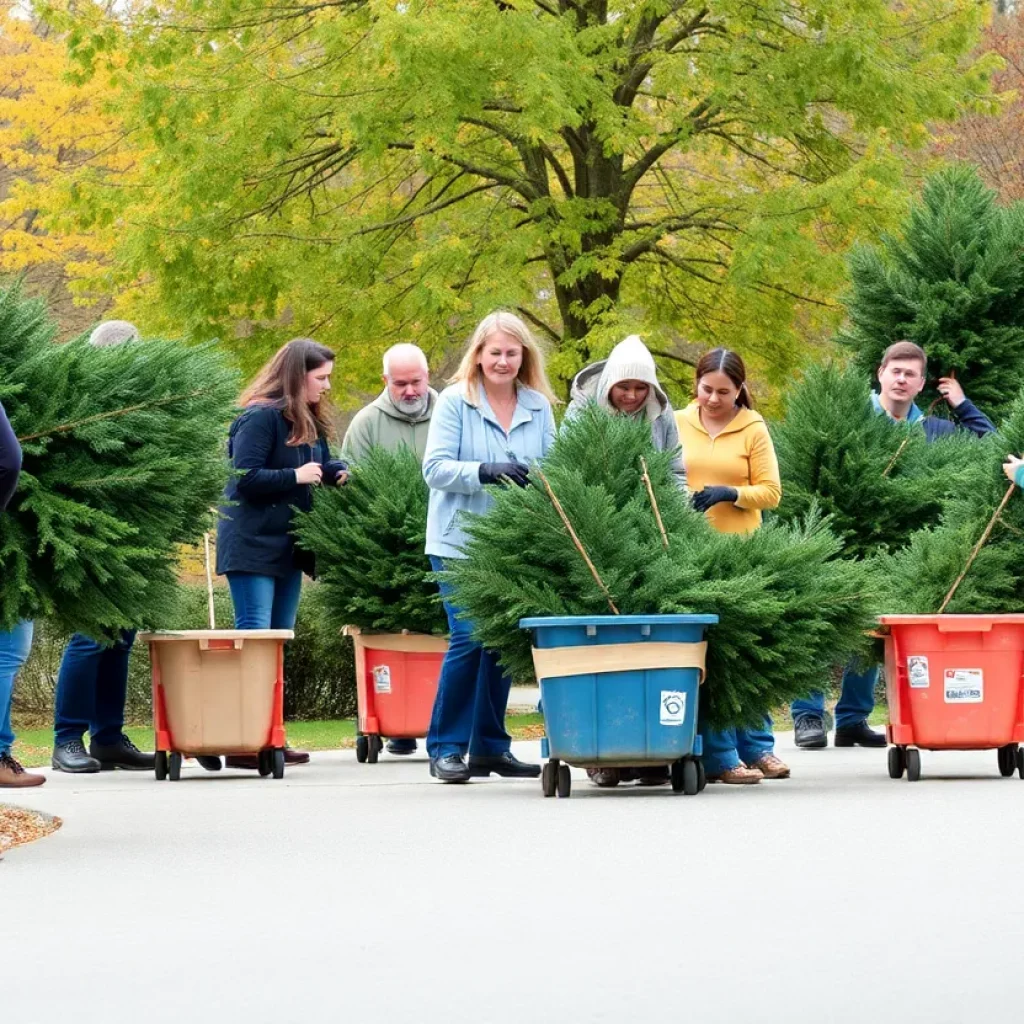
column 916, row 580
column 954, row 284
column 880, row 481
column 368, row 538
column 123, row 457
column 786, row 603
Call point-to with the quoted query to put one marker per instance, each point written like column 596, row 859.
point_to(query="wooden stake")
column 977, row 547
column 576, row 541
column 654, row 503
column 113, row 414
column 899, row 451
column 209, row 578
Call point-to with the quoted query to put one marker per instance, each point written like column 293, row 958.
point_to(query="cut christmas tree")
column 880, row 481
column 978, row 547
column 786, row 604
column 123, row 457
column 953, row 283
column 368, row 538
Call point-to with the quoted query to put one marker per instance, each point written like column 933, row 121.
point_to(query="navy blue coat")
column 966, row 416
column 10, row 460
column 254, row 533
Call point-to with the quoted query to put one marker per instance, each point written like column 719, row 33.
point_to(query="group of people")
column 491, row 424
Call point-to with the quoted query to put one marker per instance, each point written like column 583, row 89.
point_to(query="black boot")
column 506, row 765
column 71, row 757
column 859, row 735
column 810, row 732
column 123, row 754
column 450, row 768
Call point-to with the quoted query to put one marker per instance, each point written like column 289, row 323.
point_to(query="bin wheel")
column 1020, row 762
column 160, row 765
column 691, row 778
column 174, row 766
column 265, row 762
column 675, row 773
column 549, row 778
column 277, row 762
column 564, row 780
column 702, row 777
column 1007, row 757
column 913, row 758
column 374, row 745
column 362, row 748
column 897, row 763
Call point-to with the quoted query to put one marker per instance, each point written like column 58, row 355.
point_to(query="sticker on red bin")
column 673, row 707
column 917, row 670
column 382, row 679
column 965, row 686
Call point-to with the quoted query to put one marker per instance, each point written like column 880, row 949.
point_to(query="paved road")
column 351, row 893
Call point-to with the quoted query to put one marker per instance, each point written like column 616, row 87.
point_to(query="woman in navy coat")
column 279, row 451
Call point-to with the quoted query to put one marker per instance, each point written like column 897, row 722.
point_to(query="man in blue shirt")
column 901, row 378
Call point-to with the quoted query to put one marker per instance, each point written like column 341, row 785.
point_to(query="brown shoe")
column 295, row 756
column 771, row 767
column 653, row 776
column 604, row 777
column 248, row 761
column 741, row 775
column 13, row 776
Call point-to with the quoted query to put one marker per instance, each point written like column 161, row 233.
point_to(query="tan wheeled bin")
column 218, row 691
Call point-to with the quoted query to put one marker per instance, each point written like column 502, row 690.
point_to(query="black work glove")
column 333, row 468
column 493, row 472
column 703, row 500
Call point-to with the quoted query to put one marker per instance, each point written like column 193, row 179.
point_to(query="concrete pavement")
column 354, row 892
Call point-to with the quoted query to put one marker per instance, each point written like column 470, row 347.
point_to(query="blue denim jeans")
column 472, row 693
column 15, row 645
column 726, row 749
column 856, row 700
column 92, row 686
column 265, row 602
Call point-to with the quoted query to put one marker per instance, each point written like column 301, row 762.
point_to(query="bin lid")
column 619, row 620
column 219, row 634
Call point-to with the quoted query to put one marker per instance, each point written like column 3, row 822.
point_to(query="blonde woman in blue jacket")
column 488, row 427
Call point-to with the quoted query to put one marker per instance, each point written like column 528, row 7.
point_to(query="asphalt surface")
column 349, row 892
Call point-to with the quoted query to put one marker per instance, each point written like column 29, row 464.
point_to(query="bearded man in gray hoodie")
column 399, row 415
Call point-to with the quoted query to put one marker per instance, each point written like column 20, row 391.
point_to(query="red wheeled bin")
column 396, row 683
column 218, row 691
column 954, row 682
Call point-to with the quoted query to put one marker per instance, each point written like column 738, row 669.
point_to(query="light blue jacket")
column 461, row 437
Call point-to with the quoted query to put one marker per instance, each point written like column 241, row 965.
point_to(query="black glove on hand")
column 333, row 468
column 493, row 472
column 703, row 500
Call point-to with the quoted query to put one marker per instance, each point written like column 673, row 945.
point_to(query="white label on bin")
column 673, row 707
column 917, row 669
column 382, row 679
column 965, row 686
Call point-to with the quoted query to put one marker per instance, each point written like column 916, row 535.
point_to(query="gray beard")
column 414, row 407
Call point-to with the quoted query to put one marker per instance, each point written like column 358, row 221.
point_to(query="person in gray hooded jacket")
column 626, row 383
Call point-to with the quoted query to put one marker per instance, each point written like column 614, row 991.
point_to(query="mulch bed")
column 19, row 826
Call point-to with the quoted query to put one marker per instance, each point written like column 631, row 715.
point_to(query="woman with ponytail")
column 733, row 475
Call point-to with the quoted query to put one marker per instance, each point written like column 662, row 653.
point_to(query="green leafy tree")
column 376, row 170
column 786, row 604
column 368, row 538
column 879, row 481
column 952, row 280
column 123, row 457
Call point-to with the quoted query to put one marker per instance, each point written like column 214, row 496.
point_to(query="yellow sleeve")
column 765, row 488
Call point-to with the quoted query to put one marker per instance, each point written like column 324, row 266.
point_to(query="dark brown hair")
column 282, row 384
column 904, row 350
column 723, row 360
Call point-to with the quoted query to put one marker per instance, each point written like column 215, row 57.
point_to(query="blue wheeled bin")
column 620, row 691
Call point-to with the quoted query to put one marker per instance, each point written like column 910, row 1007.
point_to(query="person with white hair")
column 401, row 413
column 92, row 684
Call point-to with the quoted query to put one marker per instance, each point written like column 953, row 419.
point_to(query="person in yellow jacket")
column 733, row 475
